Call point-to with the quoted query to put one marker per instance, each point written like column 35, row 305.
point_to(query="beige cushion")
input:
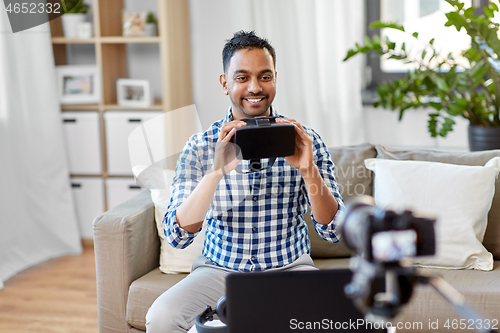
column 353, row 179
column 159, row 181
column 430, row 189
column 480, row 289
column 492, row 236
column 144, row 291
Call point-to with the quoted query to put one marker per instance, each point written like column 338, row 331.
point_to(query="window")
column 424, row 16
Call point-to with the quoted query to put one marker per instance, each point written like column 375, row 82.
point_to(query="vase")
column 483, row 138
column 150, row 30
column 70, row 24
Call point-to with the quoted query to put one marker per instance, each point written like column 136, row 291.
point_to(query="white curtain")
column 37, row 216
column 311, row 37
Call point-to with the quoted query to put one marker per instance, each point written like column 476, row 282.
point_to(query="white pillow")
column 159, row 181
column 458, row 196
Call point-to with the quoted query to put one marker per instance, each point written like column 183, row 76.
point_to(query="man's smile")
column 254, row 100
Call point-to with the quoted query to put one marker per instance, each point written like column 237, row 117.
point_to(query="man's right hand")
column 227, row 153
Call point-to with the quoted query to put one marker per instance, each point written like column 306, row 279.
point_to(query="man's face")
column 250, row 82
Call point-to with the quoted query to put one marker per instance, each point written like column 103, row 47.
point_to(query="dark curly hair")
column 245, row 40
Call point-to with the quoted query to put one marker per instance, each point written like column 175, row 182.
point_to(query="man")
column 254, row 221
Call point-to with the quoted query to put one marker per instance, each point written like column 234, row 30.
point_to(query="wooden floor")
column 56, row 296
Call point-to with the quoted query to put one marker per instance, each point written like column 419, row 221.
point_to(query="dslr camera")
column 385, row 236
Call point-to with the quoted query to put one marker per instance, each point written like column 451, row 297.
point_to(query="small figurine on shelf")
column 133, row 23
column 151, row 25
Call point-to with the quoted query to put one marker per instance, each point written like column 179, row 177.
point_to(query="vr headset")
column 262, row 138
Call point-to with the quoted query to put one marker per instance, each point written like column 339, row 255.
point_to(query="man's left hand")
column 303, row 158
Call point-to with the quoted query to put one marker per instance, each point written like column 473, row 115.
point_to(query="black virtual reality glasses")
column 263, row 138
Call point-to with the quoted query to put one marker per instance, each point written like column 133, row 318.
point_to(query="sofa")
column 127, row 250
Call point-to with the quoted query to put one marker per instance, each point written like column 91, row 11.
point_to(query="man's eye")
column 240, row 78
column 267, row 78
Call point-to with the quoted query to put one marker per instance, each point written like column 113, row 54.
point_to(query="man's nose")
column 254, row 86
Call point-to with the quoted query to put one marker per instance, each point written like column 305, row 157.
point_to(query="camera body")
column 384, row 236
column 262, row 137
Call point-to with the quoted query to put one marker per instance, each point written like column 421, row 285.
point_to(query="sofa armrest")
column 126, row 247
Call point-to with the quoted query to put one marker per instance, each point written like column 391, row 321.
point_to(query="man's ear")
column 223, row 82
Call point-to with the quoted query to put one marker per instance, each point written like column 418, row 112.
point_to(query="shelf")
column 86, row 175
column 106, row 40
column 80, row 107
column 64, row 40
column 125, row 40
column 155, row 107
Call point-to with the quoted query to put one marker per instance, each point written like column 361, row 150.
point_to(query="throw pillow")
column 172, row 260
column 492, row 236
column 458, row 196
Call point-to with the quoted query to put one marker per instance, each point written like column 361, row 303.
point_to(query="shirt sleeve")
column 188, row 173
column 323, row 160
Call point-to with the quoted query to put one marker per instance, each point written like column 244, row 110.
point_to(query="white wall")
column 382, row 127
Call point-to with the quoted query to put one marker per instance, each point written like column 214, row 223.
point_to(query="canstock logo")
column 25, row 14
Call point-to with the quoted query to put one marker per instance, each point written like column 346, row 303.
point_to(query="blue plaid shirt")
column 255, row 220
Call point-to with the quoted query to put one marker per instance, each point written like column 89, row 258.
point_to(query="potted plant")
column 150, row 28
column 73, row 14
column 466, row 86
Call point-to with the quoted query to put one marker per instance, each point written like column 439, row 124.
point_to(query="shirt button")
column 254, row 228
column 254, row 198
column 253, row 258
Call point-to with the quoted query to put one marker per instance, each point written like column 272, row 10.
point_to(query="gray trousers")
column 176, row 309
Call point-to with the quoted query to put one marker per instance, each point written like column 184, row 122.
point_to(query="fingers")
column 228, row 130
column 298, row 127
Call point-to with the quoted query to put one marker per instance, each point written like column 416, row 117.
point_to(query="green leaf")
column 415, row 34
column 390, row 44
column 488, row 11
column 368, row 42
column 436, row 106
column 447, row 126
column 351, row 53
column 383, row 25
column 431, row 41
column 493, row 6
column 441, row 84
column 432, row 124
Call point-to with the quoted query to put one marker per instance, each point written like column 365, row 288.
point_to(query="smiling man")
column 253, row 221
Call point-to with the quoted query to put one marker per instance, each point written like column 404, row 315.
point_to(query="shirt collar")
column 229, row 114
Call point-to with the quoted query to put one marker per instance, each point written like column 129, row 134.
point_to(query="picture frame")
column 133, row 23
column 134, row 93
column 79, row 84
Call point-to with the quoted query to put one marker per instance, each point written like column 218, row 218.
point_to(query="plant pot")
column 150, row 30
column 484, row 138
column 70, row 24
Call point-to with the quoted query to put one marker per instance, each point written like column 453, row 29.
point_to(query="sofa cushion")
column 492, row 235
column 144, row 291
column 353, row 179
column 481, row 291
column 159, row 181
column 430, row 188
